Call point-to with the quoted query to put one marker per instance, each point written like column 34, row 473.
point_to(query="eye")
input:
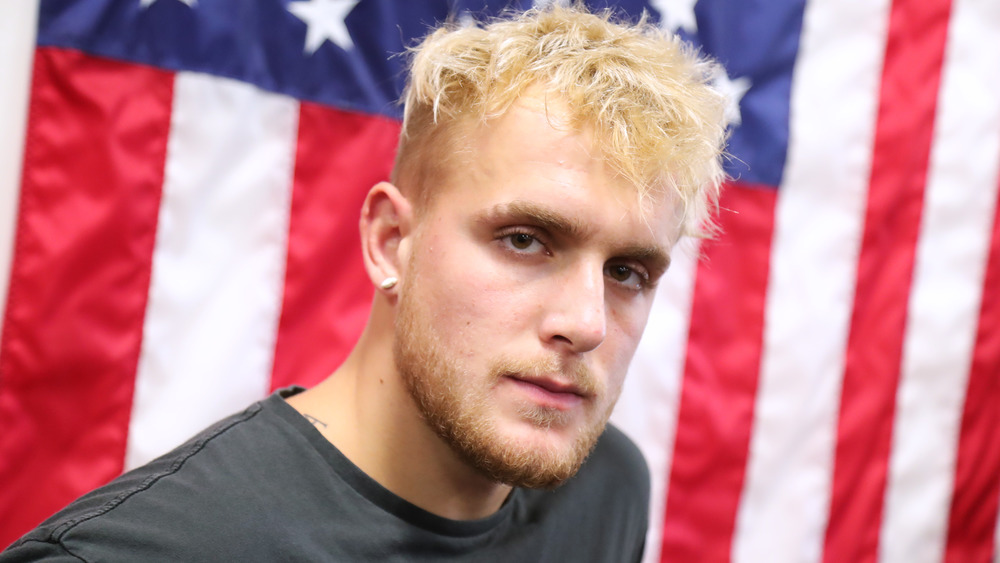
column 627, row 276
column 522, row 242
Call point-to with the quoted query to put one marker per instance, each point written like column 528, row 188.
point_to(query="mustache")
column 577, row 374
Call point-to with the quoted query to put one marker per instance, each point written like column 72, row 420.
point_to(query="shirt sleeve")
column 25, row 550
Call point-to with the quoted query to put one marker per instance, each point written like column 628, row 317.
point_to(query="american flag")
column 180, row 182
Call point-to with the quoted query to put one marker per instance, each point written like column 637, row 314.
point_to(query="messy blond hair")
column 645, row 94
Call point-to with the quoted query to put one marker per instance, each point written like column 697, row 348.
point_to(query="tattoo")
column 315, row 421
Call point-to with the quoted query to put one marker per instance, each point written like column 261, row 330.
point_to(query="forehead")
column 533, row 156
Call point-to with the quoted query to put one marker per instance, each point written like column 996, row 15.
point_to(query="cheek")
column 469, row 298
column 625, row 329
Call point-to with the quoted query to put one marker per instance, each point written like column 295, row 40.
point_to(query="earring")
column 389, row 283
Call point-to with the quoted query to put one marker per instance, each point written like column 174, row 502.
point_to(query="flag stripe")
column 947, row 283
column 654, row 378
column 80, row 276
column 908, row 96
column 18, row 22
column 976, row 501
column 219, row 261
column 720, row 381
column 973, row 515
column 818, row 228
column 327, row 293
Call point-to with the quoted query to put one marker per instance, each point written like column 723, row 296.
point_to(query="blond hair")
column 645, row 94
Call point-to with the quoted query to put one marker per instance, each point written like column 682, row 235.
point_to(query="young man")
column 547, row 166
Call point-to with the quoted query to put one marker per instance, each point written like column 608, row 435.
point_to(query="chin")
column 525, row 454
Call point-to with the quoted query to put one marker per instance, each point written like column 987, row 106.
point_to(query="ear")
column 386, row 222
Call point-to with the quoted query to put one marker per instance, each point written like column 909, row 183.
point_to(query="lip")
column 551, row 385
column 550, row 392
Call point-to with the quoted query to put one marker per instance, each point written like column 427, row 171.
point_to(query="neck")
column 364, row 410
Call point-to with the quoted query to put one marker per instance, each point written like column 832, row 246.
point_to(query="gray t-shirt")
column 264, row 485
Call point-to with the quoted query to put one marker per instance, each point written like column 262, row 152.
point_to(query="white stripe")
column 819, row 223
column 957, row 222
column 218, row 266
column 647, row 408
column 18, row 22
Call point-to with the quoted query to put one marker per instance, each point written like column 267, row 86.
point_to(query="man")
column 548, row 164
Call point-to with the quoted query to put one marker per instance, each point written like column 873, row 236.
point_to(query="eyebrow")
column 539, row 216
column 654, row 257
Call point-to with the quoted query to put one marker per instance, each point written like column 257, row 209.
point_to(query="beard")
column 456, row 405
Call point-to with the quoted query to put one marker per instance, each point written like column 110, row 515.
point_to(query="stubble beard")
column 456, row 408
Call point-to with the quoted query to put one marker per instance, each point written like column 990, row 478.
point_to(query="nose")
column 575, row 315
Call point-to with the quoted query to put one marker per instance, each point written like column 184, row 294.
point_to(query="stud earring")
column 389, row 283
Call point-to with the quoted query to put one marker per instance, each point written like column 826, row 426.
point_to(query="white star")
column 324, row 20
column 465, row 19
column 148, row 3
column 733, row 90
column 676, row 14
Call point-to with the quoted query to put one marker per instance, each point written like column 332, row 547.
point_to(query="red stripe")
column 973, row 517
column 89, row 200
column 904, row 129
column 720, row 381
column 327, row 292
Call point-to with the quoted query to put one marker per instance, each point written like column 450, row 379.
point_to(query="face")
column 527, row 286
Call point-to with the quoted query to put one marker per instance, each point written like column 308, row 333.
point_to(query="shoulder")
column 159, row 502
